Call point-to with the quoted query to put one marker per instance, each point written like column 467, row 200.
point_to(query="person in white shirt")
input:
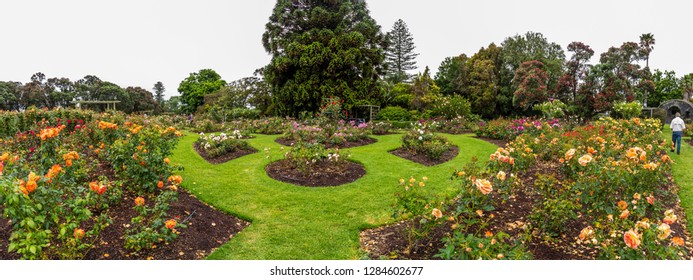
column 677, row 126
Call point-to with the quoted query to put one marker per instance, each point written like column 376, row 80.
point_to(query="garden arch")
column 677, row 106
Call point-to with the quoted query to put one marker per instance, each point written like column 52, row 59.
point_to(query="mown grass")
column 293, row 222
column 682, row 171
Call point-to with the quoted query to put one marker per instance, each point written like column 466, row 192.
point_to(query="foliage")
column 322, row 49
column 552, row 109
column 60, row 215
column 327, row 132
column 151, row 226
column 420, row 140
column 304, row 156
column 216, row 145
column 628, row 110
column 394, row 113
column 399, row 55
column 449, row 108
column 194, row 88
column 451, row 75
column 531, row 83
column 380, row 128
column 424, row 91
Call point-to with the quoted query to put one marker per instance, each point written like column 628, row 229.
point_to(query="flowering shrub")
column 270, row 126
column 52, row 187
column 552, row 109
column 304, row 156
column 456, row 125
column 414, row 201
column 449, row 107
column 510, row 129
column 420, row 140
column 380, row 128
column 328, row 133
column 151, row 225
column 216, row 145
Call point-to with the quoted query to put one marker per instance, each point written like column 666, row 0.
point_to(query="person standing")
column 677, row 126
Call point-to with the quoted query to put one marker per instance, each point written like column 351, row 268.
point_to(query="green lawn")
column 294, row 222
column 682, row 169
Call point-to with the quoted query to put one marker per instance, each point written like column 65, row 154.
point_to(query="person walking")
column 677, row 126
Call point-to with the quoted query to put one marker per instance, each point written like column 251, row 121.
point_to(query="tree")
column 482, row 88
column 452, row 75
column 196, row 86
column 666, row 87
column 9, row 92
column 424, row 91
column 531, row 83
column 159, row 90
column 576, row 71
column 400, row 56
column 647, row 42
column 518, row 49
column 142, row 99
column 322, row 49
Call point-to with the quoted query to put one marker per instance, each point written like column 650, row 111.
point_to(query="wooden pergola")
column 107, row 102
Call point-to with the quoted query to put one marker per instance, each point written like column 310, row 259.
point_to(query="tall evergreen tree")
column 322, row 49
column 159, row 90
column 400, row 56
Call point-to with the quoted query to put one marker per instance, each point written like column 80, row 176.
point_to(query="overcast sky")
column 140, row 42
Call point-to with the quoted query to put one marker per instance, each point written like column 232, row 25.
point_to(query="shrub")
column 217, row 145
column 395, row 113
column 552, row 109
column 627, row 110
column 420, row 140
column 449, row 108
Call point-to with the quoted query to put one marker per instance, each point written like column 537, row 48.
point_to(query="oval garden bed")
column 424, row 159
column 321, row 174
column 286, row 141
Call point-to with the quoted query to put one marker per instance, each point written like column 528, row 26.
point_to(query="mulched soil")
column 207, row 229
column 225, row 157
column 423, row 158
column 362, row 142
column 389, row 242
column 321, row 174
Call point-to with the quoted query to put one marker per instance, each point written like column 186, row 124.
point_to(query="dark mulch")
column 511, row 217
column 362, row 142
column 207, row 229
column 497, row 142
column 225, row 157
column 321, row 174
column 423, row 158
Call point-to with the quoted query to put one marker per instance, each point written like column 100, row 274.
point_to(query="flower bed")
column 339, row 134
column 58, row 182
column 599, row 191
column 425, row 147
column 222, row 148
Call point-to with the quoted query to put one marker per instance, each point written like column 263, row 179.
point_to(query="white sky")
column 140, row 42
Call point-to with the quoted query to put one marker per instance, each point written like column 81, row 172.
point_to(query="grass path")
column 682, row 170
column 293, row 222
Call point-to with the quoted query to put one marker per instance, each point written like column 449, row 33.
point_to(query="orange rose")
column 437, row 213
column 102, row 189
column 4, row 157
column 68, row 163
column 176, row 179
column 669, row 217
column 94, row 186
column 78, row 233
column 160, row 184
column 170, row 224
column 30, row 186
column 484, row 186
column 167, row 161
column 488, row 234
column 631, row 239
column 622, row 205
column 666, row 158
column 678, row 241
column 650, row 199
column 139, row 201
column 624, row 214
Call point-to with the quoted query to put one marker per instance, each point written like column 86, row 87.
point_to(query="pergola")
column 107, row 102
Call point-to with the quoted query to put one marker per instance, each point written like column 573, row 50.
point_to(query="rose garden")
column 333, row 151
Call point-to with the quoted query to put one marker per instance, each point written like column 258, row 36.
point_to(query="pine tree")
column 322, row 49
column 400, row 56
column 159, row 90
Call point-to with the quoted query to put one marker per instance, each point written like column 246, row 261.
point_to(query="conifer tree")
column 400, row 56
